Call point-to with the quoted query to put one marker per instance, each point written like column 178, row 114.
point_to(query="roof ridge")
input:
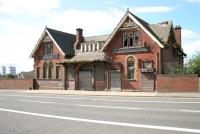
column 97, row 35
column 163, row 22
column 55, row 30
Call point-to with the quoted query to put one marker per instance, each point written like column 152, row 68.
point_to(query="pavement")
column 107, row 93
column 44, row 113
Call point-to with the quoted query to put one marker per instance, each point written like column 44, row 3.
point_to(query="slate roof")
column 96, row 38
column 64, row 40
column 87, row 57
column 162, row 30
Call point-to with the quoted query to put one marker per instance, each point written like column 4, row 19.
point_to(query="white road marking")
column 38, row 101
column 111, row 107
column 104, row 122
column 190, row 111
column 149, row 101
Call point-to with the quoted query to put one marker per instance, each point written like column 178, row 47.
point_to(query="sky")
column 23, row 21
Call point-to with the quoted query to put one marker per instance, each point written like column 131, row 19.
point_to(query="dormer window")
column 95, row 47
column 91, row 47
column 82, row 48
column 131, row 39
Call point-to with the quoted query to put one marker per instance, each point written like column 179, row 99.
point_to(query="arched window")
column 130, row 68
column 45, row 70
column 50, row 70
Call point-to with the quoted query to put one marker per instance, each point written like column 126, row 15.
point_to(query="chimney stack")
column 79, row 37
column 177, row 30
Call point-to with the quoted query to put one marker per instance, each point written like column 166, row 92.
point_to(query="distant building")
column 3, row 70
column 25, row 75
column 12, row 70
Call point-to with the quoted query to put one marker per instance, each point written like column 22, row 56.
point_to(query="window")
column 44, row 70
column 125, row 42
column 38, row 72
column 136, row 38
column 91, row 47
column 147, row 64
column 130, row 68
column 87, row 48
column 58, row 72
column 50, row 70
column 131, row 39
column 82, row 48
column 95, row 47
column 48, row 49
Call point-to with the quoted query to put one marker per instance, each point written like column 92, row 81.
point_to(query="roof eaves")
column 38, row 42
column 114, row 31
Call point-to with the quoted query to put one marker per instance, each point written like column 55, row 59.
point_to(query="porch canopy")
column 87, row 57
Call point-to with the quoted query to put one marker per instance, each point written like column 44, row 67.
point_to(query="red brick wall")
column 152, row 55
column 40, row 62
column 177, row 83
column 16, row 84
column 50, row 84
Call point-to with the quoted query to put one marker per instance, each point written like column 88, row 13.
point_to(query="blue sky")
column 23, row 21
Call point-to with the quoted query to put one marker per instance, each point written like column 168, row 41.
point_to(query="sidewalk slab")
column 105, row 93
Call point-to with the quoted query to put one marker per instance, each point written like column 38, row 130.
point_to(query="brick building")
column 127, row 59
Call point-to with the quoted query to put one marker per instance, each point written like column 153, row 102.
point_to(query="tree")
column 194, row 64
column 10, row 76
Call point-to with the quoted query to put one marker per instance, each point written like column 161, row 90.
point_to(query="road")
column 23, row 113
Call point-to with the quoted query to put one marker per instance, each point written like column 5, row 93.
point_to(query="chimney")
column 177, row 30
column 79, row 37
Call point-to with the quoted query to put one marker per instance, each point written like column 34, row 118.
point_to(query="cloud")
column 17, row 42
column 39, row 7
column 191, row 42
column 193, row 1
column 93, row 22
column 109, row 2
column 18, row 39
column 152, row 9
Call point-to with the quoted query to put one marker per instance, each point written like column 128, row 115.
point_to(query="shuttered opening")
column 85, row 80
column 115, row 80
column 147, row 82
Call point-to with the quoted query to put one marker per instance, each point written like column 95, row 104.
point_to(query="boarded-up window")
column 38, row 72
column 58, row 72
column 71, row 73
column 99, row 72
column 50, row 70
column 148, row 64
column 130, row 68
column 44, row 70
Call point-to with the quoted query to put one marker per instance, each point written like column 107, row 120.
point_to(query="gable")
column 129, row 21
column 46, row 38
column 63, row 41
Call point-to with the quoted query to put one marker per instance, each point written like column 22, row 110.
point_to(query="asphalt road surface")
column 22, row 113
